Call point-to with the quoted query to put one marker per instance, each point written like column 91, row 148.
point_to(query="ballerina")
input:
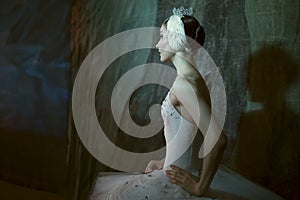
column 182, row 174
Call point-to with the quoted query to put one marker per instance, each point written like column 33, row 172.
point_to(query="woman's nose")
column 156, row 46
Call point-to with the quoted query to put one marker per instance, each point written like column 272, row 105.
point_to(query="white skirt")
column 155, row 186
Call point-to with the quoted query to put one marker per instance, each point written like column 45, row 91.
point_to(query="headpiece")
column 175, row 27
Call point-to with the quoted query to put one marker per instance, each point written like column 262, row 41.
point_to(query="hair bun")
column 200, row 35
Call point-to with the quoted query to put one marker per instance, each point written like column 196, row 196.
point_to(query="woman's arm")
column 210, row 165
column 196, row 109
column 199, row 186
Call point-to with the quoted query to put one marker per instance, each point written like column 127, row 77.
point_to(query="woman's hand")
column 153, row 165
column 186, row 180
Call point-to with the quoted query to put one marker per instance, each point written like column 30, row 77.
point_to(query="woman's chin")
column 163, row 60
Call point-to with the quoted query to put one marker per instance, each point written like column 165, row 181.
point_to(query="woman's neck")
column 184, row 67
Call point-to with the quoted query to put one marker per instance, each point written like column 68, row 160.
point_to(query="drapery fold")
column 92, row 23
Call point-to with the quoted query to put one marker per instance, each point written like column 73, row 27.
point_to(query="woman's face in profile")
column 164, row 49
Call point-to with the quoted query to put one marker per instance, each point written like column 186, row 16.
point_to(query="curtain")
column 92, row 23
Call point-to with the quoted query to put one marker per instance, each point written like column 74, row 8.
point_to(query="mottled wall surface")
column 34, row 92
column 255, row 44
column 34, row 66
column 268, row 134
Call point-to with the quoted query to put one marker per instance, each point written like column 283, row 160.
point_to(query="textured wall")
column 268, row 135
column 34, row 66
column 34, row 92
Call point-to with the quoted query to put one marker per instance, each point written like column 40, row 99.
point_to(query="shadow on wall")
column 267, row 146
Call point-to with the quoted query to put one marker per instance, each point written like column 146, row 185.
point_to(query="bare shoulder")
column 190, row 99
column 184, row 87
